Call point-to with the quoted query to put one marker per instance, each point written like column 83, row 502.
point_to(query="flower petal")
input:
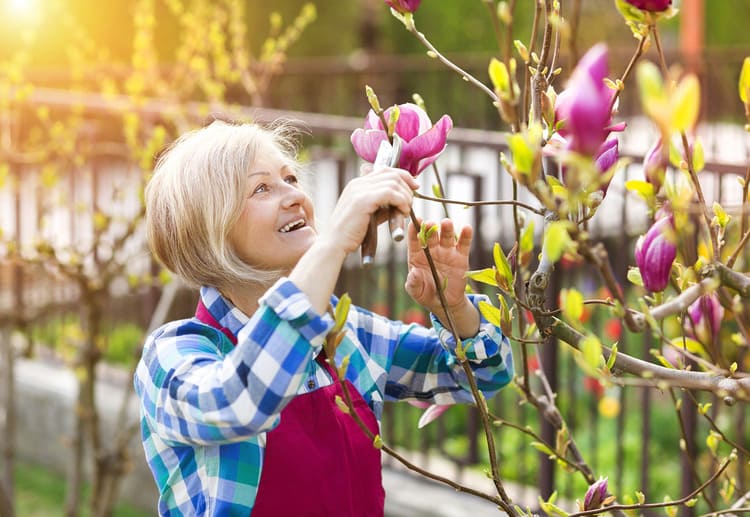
column 428, row 146
column 412, row 121
column 430, row 414
column 366, row 142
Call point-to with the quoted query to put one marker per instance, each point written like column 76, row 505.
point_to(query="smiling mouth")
column 294, row 225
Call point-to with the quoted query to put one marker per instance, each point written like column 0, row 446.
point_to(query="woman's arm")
column 318, row 270
column 421, row 362
column 196, row 387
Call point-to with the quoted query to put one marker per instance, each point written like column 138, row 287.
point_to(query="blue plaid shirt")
column 206, row 405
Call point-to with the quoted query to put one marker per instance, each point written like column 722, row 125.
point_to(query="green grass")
column 41, row 493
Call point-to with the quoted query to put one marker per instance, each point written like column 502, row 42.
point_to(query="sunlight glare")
column 22, row 8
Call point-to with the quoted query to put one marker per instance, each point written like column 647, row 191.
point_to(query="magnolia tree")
column 690, row 265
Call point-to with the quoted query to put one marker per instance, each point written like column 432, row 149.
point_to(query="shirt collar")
column 222, row 310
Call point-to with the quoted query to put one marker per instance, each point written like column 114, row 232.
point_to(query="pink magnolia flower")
column 404, row 6
column 596, row 495
column 655, row 164
column 605, row 157
column 654, row 254
column 704, row 318
column 422, row 141
column 654, row 6
column 584, row 106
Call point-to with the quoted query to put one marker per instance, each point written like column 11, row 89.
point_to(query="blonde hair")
column 196, row 195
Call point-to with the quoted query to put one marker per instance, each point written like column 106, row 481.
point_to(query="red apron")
column 317, row 461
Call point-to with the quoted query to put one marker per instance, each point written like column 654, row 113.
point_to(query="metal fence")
column 639, row 441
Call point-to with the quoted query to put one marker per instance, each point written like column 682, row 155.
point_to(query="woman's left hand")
column 451, row 258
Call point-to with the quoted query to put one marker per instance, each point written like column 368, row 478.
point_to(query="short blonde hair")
column 196, row 195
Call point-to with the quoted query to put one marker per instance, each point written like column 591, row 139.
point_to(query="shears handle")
column 388, row 156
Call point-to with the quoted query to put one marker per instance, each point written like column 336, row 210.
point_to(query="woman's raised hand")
column 364, row 196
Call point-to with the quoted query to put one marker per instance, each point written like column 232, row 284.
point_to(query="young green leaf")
column 485, row 276
column 502, row 264
column 491, row 313
column 556, row 240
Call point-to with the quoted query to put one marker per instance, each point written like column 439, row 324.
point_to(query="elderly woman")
column 238, row 404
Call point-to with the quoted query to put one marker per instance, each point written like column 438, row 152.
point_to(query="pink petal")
column 430, row 414
column 373, row 121
column 366, row 142
column 427, row 145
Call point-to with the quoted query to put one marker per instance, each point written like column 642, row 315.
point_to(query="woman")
column 238, row 404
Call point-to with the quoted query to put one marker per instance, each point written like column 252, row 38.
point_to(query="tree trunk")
column 9, row 425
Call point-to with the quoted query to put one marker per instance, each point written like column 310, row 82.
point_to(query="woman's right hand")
column 318, row 270
column 363, row 197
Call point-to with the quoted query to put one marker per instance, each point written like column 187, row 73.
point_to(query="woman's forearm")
column 317, row 272
column 465, row 318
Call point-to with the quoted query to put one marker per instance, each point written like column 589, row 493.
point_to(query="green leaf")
column 571, row 301
column 523, row 155
column 505, row 319
column 556, row 240
column 744, row 83
column 436, row 191
column 491, row 313
column 527, row 238
column 675, row 155
column 634, row 276
column 640, row 497
column 544, row 448
column 392, row 119
column 685, row 103
column 342, row 405
column 425, row 232
column 502, row 264
column 652, row 92
column 484, row 276
column 377, row 442
column 721, row 217
column 499, row 76
column 373, row 99
column 612, row 357
column 591, row 348
column 642, row 188
column 342, row 311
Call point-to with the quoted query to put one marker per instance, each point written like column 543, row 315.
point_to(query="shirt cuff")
column 292, row 305
column 485, row 344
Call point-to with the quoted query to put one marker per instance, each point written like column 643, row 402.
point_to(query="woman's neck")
column 245, row 297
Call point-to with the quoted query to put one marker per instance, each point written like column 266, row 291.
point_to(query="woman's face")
column 276, row 226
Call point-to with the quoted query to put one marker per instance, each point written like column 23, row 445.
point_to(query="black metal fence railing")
column 629, row 434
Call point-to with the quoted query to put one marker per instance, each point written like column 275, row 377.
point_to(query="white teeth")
column 289, row 226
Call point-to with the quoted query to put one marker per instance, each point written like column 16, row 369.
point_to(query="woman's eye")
column 292, row 179
column 260, row 188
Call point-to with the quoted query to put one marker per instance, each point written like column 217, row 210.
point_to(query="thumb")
column 414, row 284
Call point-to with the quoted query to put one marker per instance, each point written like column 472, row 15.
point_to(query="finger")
column 434, row 237
column 414, row 286
column 464, row 240
column 413, row 245
column 447, row 235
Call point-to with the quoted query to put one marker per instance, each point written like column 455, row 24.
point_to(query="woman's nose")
column 292, row 196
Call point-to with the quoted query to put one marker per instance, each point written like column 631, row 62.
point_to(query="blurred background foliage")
column 354, row 43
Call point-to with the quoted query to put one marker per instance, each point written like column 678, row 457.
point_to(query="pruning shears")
column 388, row 156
